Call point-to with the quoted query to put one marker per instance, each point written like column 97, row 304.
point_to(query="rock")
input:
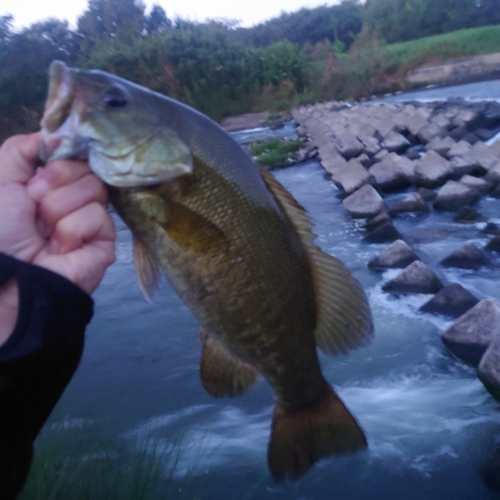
column 467, row 215
column 371, row 146
column 471, row 138
column 332, row 162
column 493, row 175
column 380, row 155
column 381, row 234
column 382, row 124
column 416, row 123
column 348, row 145
column 428, row 132
column 468, row 256
column 483, row 155
column 454, row 195
column 406, row 164
column 440, row 120
column 488, row 370
column 352, row 176
column 494, row 244
column 426, row 194
column 412, row 203
column 491, row 228
column 464, row 117
column 441, row 145
column 388, row 175
column 496, row 192
column 471, row 334
column 415, row 278
column 460, row 148
column 432, row 170
column 458, row 133
column 484, row 134
column 365, row 160
column 377, row 220
column 452, row 300
column 491, row 471
column 395, row 142
column 478, row 184
column 397, row 254
column 364, row 202
column 463, row 165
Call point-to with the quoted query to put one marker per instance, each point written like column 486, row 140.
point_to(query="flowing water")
column 430, row 424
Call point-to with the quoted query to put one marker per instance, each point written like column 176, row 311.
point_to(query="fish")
column 234, row 244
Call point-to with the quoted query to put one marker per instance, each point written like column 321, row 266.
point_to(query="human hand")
column 55, row 218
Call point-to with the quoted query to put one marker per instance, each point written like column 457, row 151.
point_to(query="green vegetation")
column 275, row 153
column 67, row 467
column 329, row 52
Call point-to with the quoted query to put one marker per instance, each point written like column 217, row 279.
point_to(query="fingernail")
column 38, row 188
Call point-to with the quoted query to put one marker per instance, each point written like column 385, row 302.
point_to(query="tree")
column 5, row 27
column 157, row 21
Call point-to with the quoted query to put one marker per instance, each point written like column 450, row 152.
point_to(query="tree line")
column 215, row 66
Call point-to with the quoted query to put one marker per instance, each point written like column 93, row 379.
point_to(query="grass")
column 70, row 465
column 275, row 153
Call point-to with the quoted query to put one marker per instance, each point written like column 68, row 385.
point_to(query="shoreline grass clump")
column 276, row 153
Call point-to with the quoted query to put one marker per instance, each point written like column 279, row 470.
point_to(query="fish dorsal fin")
column 222, row 373
column 343, row 317
column 146, row 268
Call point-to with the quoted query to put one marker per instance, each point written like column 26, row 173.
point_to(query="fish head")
column 114, row 124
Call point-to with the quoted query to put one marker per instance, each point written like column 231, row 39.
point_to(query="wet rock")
column 488, row 370
column 478, row 184
column 452, row 300
column 432, row 170
column 491, row 228
column 494, row 244
column 468, row 256
column 471, row 334
column 352, row 176
column 412, row 203
column 382, row 234
column 426, row 194
column 415, row 278
column 389, row 175
column 376, row 221
column 428, row 132
column 396, row 255
column 454, row 195
column 441, row 145
column 365, row 202
column 467, row 215
column 395, row 142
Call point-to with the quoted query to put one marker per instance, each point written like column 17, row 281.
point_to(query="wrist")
column 9, row 305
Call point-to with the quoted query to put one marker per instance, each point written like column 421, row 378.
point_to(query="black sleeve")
column 37, row 361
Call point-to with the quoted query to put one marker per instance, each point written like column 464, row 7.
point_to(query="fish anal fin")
column 300, row 439
column 147, row 269
column 223, row 373
column 343, row 316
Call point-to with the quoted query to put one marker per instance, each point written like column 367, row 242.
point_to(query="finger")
column 18, row 158
column 69, row 198
column 56, row 174
column 91, row 222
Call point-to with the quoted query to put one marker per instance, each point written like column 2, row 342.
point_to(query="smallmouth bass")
column 234, row 244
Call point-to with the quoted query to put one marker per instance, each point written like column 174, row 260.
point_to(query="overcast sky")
column 26, row 12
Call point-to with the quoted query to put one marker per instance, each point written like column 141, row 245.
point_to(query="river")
column 430, row 424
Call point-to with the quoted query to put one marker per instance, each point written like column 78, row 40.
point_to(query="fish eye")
column 114, row 98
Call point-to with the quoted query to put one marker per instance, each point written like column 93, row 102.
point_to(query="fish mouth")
column 59, row 123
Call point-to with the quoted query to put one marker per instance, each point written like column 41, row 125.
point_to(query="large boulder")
column 488, row 370
column 371, row 146
column 415, row 278
column 395, row 142
column 484, row 155
column 471, row 334
column 407, row 165
column 412, row 203
column 454, row 195
column 460, row 148
column 468, row 256
column 428, row 132
column 389, row 175
column 396, row 255
column 365, row 202
column 382, row 234
column 463, row 165
column 352, row 176
column 432, row 170
column 474, row 182
column 452, row 300
column 348, row 145
column 441, row 145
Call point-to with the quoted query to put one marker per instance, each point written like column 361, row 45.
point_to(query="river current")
column 430, row 424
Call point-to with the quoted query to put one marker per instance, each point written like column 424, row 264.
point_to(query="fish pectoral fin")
column 300, row 439
column 343, row 316
column 146, row 268
column 193, row 232
column 223, row 373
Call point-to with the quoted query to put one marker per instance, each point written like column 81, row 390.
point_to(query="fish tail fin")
column 299, row 439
